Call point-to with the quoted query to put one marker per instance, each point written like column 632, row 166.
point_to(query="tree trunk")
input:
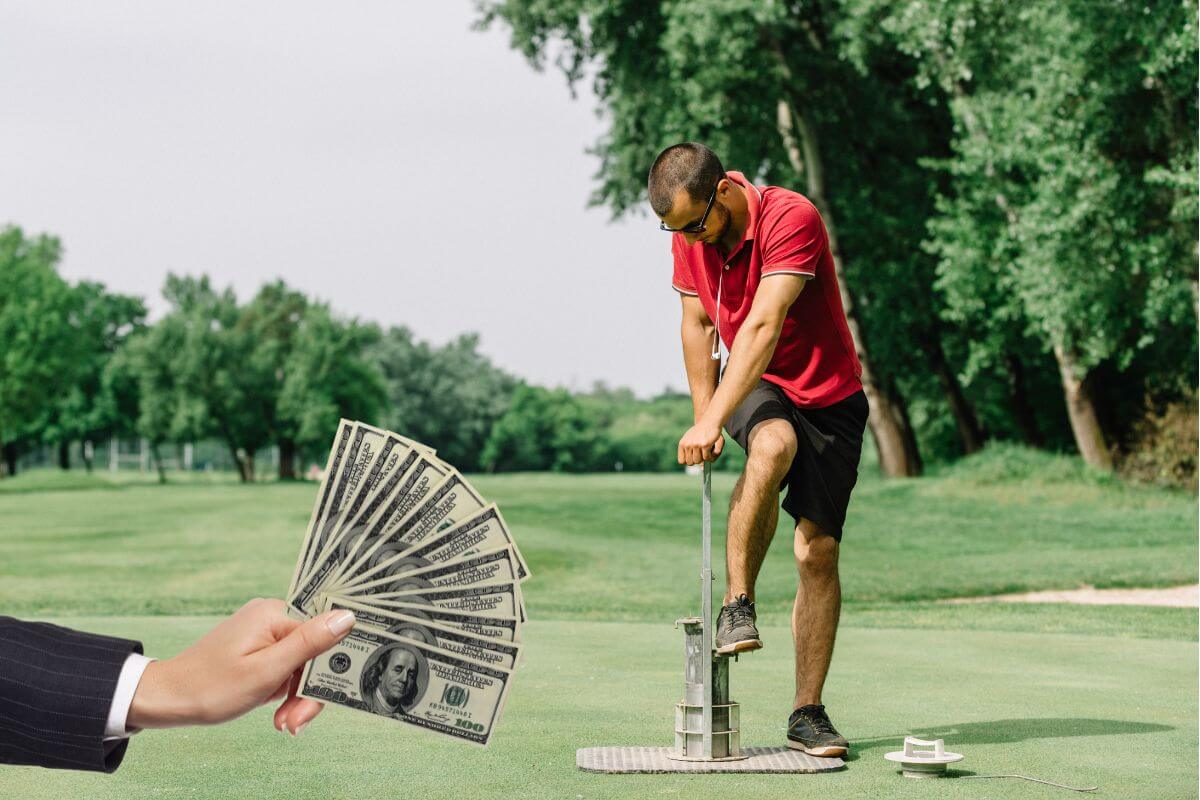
column 235, row 454
column 158, row 463
column 1081, row 408
column 965, row 419
column 287, row 459
column 1022, row 408
column 64, row 455
column 10, row 458
column 248, row 468
column 906, row 428
column 898, row 455
column 1105, row 380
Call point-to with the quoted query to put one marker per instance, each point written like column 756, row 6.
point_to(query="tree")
column 279, row 369
column 328, row 374
column 37, row 350
column 98, row 324
column 765, row 85
column 448, row 397
column 198, row 375
column 545, row 429
column 1067, row 167
column 272, row 320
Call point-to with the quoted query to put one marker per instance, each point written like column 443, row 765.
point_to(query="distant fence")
column 116, row 455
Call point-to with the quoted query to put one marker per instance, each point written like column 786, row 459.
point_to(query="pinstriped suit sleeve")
column 56, row 688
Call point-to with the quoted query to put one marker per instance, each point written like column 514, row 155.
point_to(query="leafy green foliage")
column 100, row 323
column 448, row 397
column 545, row 429
column 1069, row 216
column 55, row 340
column 1007, row 179
column 276, row 370
column 36, row 351
column 327, row 375
column 718, row 71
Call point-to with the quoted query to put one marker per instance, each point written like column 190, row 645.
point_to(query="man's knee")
column 772, row 447
column 816, row 553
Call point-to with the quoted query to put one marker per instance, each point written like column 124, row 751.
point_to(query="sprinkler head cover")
column 923, row 763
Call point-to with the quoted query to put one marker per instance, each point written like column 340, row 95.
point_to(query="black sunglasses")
column 696, row 227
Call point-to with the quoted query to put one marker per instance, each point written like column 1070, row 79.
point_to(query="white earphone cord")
column 716, row 351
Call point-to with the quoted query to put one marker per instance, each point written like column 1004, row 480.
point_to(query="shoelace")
column 819, row 722
column 740, row 614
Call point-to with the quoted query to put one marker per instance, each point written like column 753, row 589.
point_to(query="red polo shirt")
column 814, row 361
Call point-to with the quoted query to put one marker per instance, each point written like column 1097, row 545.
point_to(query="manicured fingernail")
column 300, row 730
column 339, row 622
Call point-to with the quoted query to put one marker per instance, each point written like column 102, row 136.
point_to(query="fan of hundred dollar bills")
column 429, row 569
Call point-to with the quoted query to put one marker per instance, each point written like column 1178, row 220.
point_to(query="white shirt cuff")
column 127, row 683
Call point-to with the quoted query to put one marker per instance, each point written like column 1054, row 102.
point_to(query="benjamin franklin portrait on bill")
column 395, row 680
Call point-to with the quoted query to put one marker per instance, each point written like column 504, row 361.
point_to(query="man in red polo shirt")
column 754, row 271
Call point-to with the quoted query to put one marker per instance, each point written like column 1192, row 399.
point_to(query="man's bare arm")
column 697, row 333
column 754, row 344
column 752, row 350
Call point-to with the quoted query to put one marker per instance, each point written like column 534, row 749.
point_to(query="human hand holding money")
column 429, row 568
column 252, row 658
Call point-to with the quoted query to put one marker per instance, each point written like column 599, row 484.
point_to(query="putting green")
column 1115, row 712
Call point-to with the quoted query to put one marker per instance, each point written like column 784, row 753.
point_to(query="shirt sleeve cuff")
column 808, row 273
column 689, row 292
column 127, row 683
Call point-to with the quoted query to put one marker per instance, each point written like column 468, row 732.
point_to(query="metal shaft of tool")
column 706, row 579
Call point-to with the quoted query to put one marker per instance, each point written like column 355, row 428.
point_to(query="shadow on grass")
column 1006, row 730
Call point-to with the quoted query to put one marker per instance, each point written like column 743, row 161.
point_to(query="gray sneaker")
column 810, row 730
column 736, row 632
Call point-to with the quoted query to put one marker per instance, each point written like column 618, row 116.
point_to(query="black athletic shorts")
column 828, row 446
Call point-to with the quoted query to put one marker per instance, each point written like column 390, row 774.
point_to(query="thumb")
column 309, row 640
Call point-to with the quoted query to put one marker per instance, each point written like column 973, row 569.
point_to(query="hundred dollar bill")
column 507, row 629
column 485, row 650
column 477, row 533
column 448, row 503
column 501, row 600
column 389, row 506
column 495, row 566
column 378, row 673
column 386, row 468
column 341, row 441
column 393, row 500
column 366, row 441
column 407, row 442
column 359, row 453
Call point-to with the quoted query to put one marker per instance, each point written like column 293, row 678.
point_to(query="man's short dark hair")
column 687, row 165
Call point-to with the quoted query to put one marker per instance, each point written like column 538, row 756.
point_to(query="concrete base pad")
column 656, row 760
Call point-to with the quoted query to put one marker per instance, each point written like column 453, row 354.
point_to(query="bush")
column 1008, row 462
column 545, row 429
column 1162, row 447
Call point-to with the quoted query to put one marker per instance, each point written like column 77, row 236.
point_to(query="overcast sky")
column 382, row 156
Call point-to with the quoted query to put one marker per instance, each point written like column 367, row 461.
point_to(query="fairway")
column 1072, row 694
column 338, row 365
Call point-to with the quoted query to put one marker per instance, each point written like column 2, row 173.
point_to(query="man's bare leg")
column 754, row 505
column 816, row 611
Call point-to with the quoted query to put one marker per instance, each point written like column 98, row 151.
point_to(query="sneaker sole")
column 744, row 646
column 819, row 752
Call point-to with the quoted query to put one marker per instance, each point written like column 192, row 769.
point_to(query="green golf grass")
column 1083, row 695
column 1083, row 710
column 601, row 547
